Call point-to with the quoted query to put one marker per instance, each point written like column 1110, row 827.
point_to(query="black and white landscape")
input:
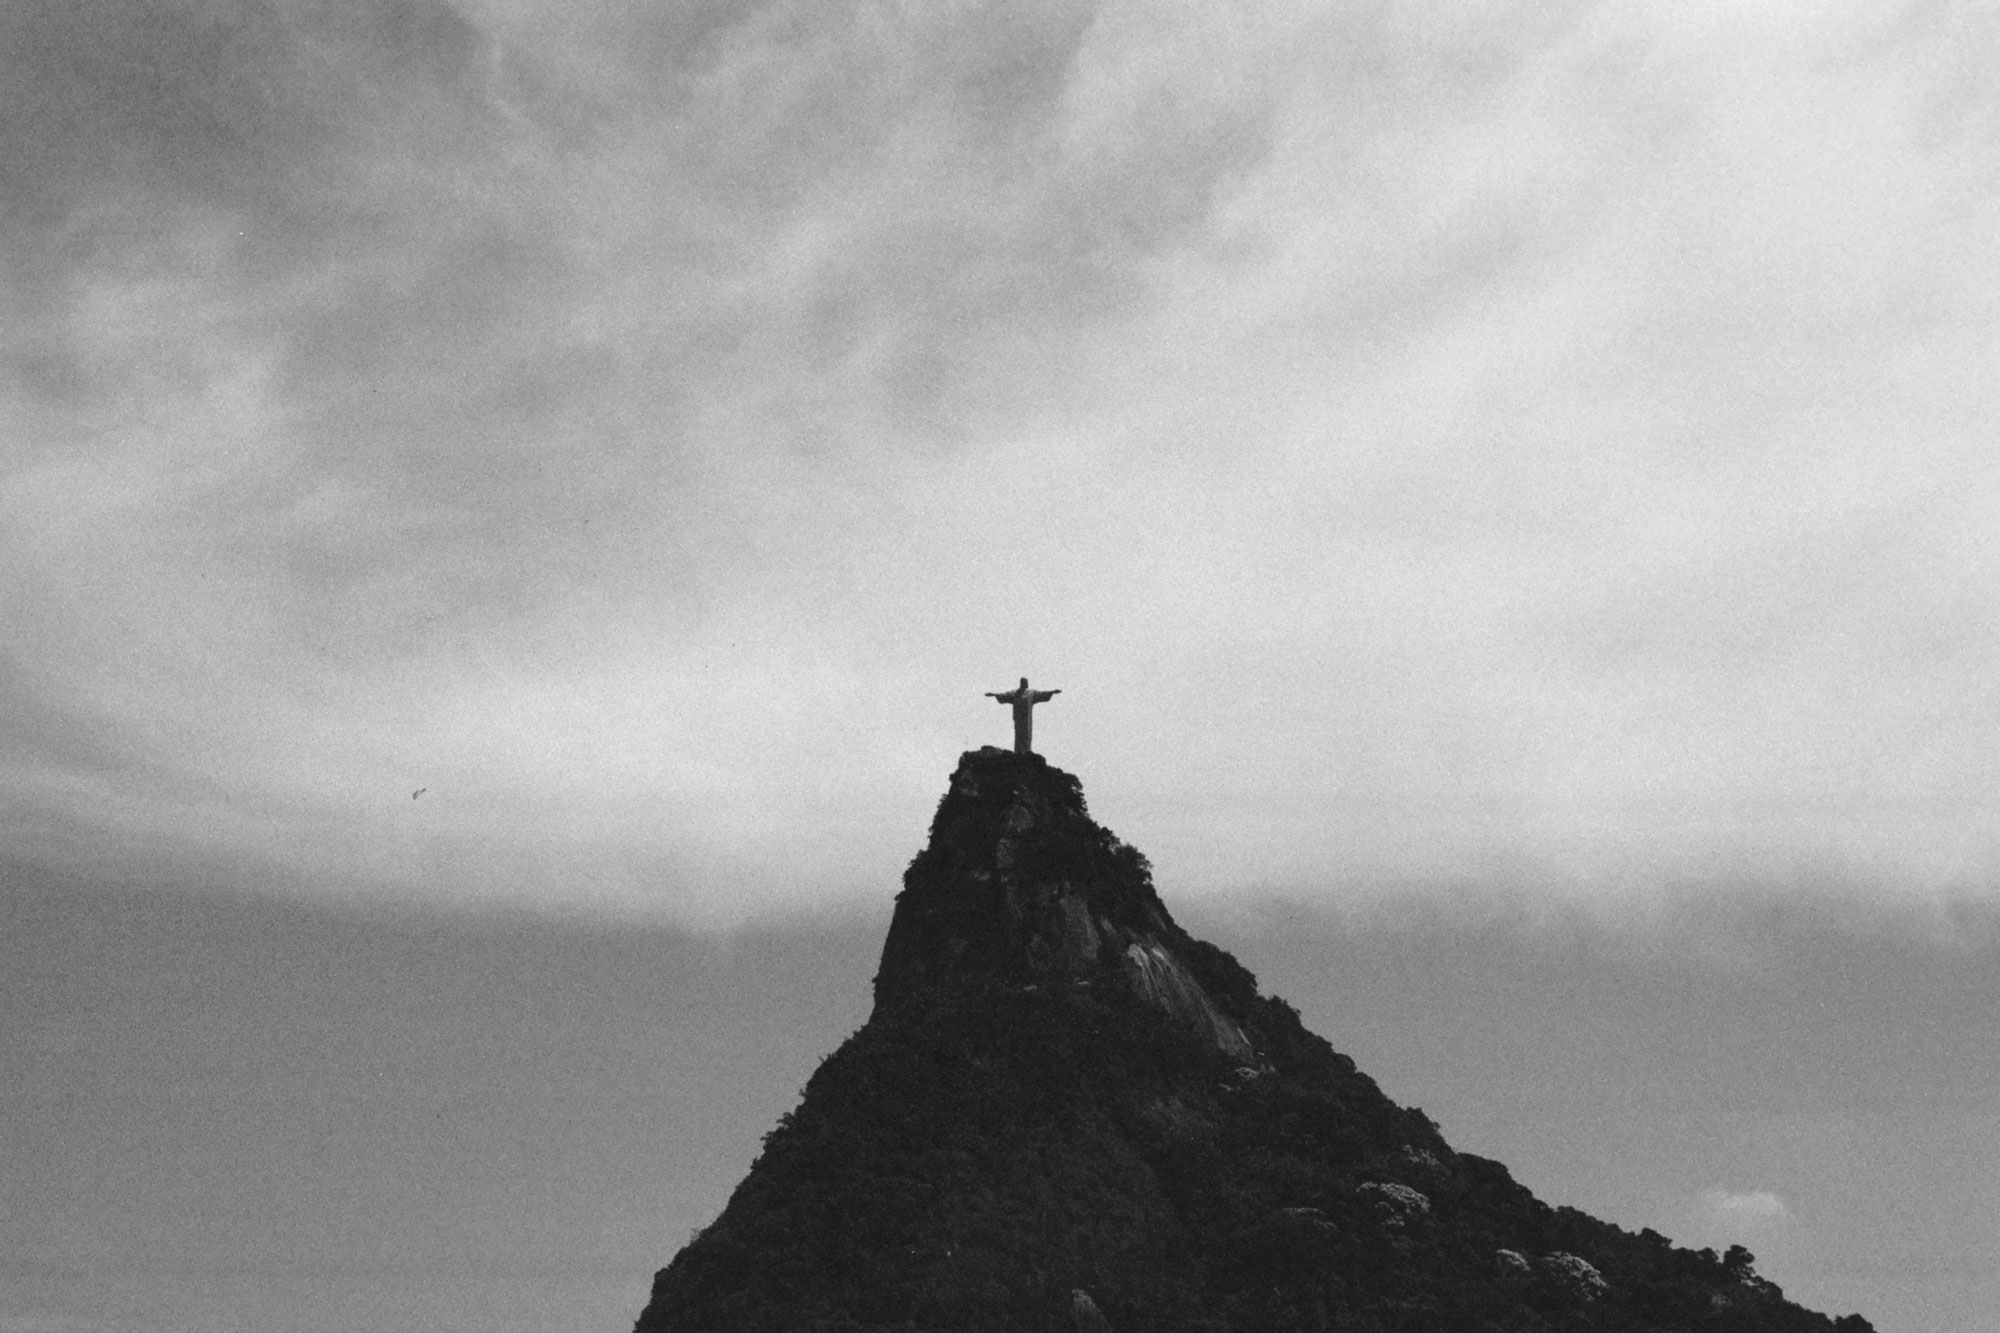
column 508, row 511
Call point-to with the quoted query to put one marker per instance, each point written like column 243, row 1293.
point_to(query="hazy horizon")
column 236, row 1112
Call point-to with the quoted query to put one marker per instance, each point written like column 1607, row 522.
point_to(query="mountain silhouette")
column 1066, row 1114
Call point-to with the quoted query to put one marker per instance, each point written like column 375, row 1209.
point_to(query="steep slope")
column 1065, row 1113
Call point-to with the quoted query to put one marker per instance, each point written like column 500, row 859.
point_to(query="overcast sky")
column 1526, row 444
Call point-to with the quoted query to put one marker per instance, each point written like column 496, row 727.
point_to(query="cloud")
column 1514, row 444
column 1744, row 1207
column 1759, row 1219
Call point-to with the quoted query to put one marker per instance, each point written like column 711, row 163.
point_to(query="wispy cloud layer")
column 1527, row 444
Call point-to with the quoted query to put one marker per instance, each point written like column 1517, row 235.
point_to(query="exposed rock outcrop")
column 1019, row 885
column 1575, row 1273
column 1396, row 1203
column 1084, row 1314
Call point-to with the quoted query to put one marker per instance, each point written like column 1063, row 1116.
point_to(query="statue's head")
column 1024, row 682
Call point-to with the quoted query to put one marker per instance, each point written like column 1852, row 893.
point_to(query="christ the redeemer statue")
column 1024, row 701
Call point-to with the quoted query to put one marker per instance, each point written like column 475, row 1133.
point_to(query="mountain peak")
column 1018, row 884
column 1066, row 1113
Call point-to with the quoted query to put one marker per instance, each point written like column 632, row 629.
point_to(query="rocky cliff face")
column 1066, row 1113
column 1019, row 885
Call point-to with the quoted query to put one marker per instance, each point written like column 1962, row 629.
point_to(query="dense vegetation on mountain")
column 1067, row 1114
